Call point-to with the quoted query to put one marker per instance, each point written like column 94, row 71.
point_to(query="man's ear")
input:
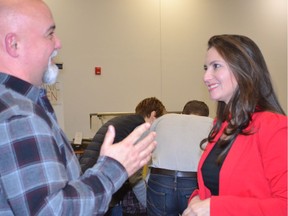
column 151, row 117
column 11, row 44
column 153, row 114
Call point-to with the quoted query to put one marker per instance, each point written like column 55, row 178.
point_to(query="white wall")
column 154, row 48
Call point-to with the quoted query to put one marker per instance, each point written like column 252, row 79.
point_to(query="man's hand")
column 131, row 156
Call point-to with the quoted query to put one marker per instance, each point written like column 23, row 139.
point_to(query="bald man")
column 39, row 172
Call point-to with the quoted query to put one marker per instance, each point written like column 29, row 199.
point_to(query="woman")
column 243, row 170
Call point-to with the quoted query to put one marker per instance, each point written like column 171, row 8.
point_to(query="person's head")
column 196, row 107
column 150, row 109
column 28, row 41
column 237, row 76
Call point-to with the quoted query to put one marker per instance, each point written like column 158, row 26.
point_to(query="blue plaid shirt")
column 39, row 172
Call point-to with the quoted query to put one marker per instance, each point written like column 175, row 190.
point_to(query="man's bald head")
column 27, row 39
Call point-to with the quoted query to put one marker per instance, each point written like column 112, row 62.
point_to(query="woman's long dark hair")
column 254, row 93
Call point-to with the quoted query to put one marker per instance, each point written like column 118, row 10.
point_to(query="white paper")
column 78, row 138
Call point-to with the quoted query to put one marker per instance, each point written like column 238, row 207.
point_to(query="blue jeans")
column 168, row 195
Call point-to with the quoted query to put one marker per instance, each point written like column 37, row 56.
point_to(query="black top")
column 211, row 169
column 124, row 125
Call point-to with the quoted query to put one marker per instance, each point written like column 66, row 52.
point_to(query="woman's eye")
column 205, row 67
column 215, row 66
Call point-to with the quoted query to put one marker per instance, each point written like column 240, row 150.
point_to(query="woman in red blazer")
column 243, row 170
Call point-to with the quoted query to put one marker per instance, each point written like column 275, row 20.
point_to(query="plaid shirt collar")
column 20, row 86
column 36, row 94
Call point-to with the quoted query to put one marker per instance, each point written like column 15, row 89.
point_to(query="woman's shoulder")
column 269, row 119
column 269, row 116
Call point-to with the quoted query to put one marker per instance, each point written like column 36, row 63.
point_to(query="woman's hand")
column 198, row 207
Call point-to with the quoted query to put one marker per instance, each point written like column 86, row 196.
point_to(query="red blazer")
column 253, row 177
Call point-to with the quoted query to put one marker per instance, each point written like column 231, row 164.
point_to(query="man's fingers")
column 109, row 136
column 147, row 158
column 142, row 144
column 145, row 148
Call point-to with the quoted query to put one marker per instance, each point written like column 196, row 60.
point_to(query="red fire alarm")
column 97, row 70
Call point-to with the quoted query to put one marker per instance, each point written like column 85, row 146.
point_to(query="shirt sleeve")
column 41, row 176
